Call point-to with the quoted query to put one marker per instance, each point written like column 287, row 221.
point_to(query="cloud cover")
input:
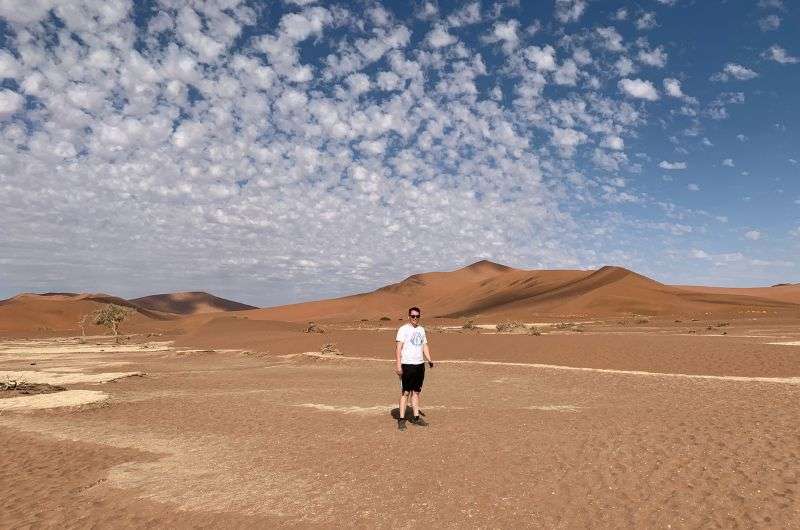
column 281, row 155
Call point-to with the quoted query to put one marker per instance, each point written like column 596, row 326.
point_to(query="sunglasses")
column 414, row 316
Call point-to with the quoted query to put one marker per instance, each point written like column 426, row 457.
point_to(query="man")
column 412, row 345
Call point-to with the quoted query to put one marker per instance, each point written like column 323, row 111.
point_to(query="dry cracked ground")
column 147, row 435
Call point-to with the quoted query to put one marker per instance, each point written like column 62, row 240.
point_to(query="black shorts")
column 413, row 376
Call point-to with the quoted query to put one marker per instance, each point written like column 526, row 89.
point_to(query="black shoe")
column 401, row 425
column 419, row 421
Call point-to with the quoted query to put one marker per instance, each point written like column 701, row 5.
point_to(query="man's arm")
column 427, row 352
column 398, row 367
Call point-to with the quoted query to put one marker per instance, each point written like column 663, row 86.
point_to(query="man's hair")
column 415, row 308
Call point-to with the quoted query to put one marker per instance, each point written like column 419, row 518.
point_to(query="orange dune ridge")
column 189, row 303
column 486, row 290
column 55, row 313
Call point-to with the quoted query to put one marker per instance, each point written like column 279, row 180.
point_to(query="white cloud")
column 646, row 21
column 672, row 165
column 753, row 235
column 505, row 32
column 300, row 26
column 428, row 10
column 610, row 39
column 673, row 88
column 693, row 187
column 10, row 103
column 467, row 15
column 717, row 109
column 569, row 10
column 567, row 73
column 699, row 254
column 624, row 66
column 656, row 57
column 779, row 55
column 728, row 162
column 439, row 37
column 29, row 12
column 358, row 83
column 543, row 58
column 735, row 71
column 567, row 140
column 638, row 88
column 741, row 137
column 769, row 23
column 9, row 68
column 613, row 142
column 621, row 14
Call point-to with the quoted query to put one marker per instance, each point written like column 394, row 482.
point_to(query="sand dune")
column 487, row 290
column 60, row 313
column 484, row 291
column 189, row 303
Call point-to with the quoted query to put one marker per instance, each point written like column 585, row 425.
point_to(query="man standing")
column 412, row 344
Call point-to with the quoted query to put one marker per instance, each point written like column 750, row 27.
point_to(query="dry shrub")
column 511, row 326
column 565, row 325
column 25, row 388
column 111, row 316
column 723, row 324
column 643, row 321
column 387, row 319
column 313, row 328
column 469, row 324
column 330, row 349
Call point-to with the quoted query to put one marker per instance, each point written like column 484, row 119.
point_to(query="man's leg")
column 415, row 403
column 401, row 411
column 417, row 419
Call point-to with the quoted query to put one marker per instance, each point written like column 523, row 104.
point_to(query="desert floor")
column 641, row 425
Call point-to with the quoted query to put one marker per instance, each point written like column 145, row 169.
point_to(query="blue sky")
column 274, row 152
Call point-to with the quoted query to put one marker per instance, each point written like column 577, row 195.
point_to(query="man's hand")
column 398, row 370
column 430, row 363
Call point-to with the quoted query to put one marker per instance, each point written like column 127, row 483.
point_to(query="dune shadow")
column 409, row 413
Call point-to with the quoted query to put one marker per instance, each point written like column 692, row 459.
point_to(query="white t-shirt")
column 412, row 338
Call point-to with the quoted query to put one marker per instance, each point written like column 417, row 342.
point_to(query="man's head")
column 414, row 314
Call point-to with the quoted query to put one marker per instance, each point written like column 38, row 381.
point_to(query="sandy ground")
column 269, row 437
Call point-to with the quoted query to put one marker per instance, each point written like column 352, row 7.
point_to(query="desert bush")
column 643, row 321
column 313, row 328
column 565, row 325
column 469, row 324
column 330, row 349
column 386, row 319
column 511, row 326
column 723, row 324
column 111, row 316
column 534, row 331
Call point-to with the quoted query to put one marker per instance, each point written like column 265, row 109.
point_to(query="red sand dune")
column 189, row 303
column 51, row 313
column 484, row 291
column 491, row 291
column 60, row 312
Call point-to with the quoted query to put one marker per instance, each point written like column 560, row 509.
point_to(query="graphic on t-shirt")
column 416, row 338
